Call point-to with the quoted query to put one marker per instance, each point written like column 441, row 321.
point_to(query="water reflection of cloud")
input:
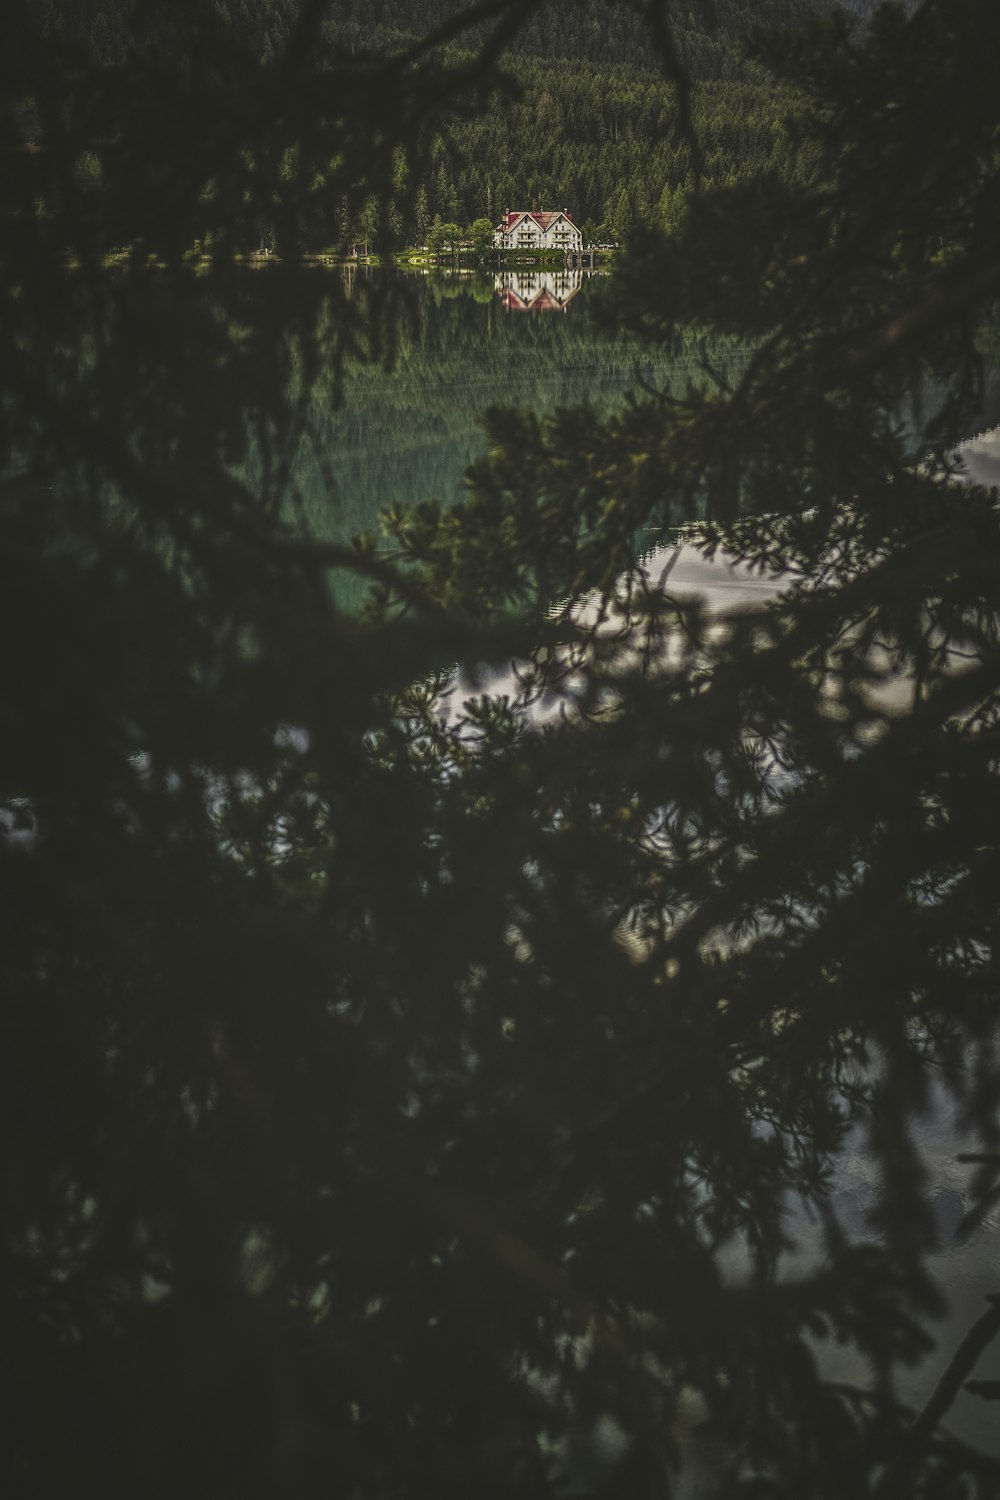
column 980, row 458
column 724, row 585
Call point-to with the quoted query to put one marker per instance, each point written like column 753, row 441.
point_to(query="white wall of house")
column 562, row 234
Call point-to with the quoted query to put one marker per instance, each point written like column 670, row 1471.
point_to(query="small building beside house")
column 523, row 230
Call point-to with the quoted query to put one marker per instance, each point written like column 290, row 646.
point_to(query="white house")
column 521, row 230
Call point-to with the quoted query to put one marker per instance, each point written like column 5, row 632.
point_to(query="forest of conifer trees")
column 584, row 121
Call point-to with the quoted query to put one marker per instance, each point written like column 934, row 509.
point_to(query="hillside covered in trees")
column 584, row 119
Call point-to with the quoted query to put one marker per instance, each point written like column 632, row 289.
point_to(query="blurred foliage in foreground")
column 397, row 1104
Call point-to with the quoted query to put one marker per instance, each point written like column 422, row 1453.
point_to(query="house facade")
column 521, row 230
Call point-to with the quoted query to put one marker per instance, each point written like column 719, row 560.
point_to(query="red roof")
column 543, row 218
column 545, row 301
column 542, row 301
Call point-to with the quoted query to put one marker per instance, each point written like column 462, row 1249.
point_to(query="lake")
column 159, row 393
column 408, row 434
column 463, row 344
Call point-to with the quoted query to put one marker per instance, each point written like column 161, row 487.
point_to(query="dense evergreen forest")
column 583, row 119
column 709, row 32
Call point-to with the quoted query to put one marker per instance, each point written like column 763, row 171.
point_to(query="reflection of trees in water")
column 387, row 1101
column 407, row 434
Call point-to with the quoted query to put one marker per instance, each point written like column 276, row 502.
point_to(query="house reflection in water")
column 538, row 290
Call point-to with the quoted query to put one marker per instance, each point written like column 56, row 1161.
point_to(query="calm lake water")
column 156, row 378
column 407, row 435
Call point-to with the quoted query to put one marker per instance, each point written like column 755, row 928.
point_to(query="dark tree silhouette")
column 388, row 1098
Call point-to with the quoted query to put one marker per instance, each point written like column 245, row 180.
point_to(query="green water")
column 406, row 432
